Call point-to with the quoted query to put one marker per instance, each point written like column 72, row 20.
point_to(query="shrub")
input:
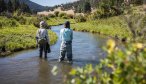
column 56, row 13
column 8, row 23
column 70, row 16
column 18, row 38
column 96, row 15
column 62, row 14
column 12, row 23
column 80, row 18
column 119, row 67
column 37, row 22
column 20, row 19
column 51, row 15
column 65, row 17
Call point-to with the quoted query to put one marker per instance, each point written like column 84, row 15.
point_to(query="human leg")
column 62, row 52
column 45, row 50
column 69, row 52
column 40, row 50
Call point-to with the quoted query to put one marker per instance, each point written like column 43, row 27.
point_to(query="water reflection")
column 44, row 72
column 26, row 68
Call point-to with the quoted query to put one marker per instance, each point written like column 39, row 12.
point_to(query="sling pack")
column 42, row 39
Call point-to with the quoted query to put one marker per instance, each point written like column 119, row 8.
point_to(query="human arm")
column 71, row 35
column 47, row 37
column 60, row 34
column 37, row 37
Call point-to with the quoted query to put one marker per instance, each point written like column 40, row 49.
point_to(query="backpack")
column 41, row 40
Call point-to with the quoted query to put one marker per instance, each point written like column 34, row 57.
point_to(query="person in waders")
column 43, row 40
column 66, row 36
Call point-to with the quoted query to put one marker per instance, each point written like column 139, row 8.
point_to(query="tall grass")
column 5, row 22
column 112, row 26
column 22, row 37
column 19, row 37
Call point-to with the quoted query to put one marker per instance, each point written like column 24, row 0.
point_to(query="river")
column 25, row 67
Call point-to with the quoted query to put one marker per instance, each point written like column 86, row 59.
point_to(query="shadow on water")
column 25, row 67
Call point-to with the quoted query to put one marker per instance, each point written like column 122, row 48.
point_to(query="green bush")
column 99, row 13
column 71, row 16
column 110, row 26
column 80, row 18
column 56, row 13
column 22, row 37
column 8, row 22
column 37, row 22
column 65, row 17
column 62, row 14
column 51, row 15
column 119, row 67
column 20, row 19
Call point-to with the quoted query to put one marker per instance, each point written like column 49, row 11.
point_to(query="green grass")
column 111, row 26
column 23, row 37
column 20, row 37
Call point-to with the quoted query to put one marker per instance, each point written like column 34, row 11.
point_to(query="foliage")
column 56, row 13
column 13, row 5
column 62, row 14
column 5, row 22
column 19, row 38
column 71, row 16
column 87, row 7
column 16, row 36
column 80, row 18
column 25, row 8
column 2, row 6
column 78, row 5
column 98, row 14
column 136, row 25
column 108, row 8
column 137, row 2
column 51, row 15
column 119, row 67
column 9, row 6
column 112, row 26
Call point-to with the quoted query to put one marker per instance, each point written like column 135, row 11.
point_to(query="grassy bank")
column 19, row 37
column 58, row 21
column 112, row 26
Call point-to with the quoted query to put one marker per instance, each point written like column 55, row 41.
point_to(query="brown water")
column 26, row 68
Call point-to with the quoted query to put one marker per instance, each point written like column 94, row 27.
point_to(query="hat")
column 42, row 22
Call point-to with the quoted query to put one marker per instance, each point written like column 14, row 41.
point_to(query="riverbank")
column 113, row 26
column 16, row 37
column 58, row 21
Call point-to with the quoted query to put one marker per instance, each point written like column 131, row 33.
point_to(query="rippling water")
column 25, row 67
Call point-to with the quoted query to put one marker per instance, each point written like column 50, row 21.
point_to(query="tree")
column 87, row 7
column 10, row 6
column 25, row 8
column 16, row 4
column 2, row 6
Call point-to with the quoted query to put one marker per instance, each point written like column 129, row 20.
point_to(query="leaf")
column 54, row 70
column 73, row 72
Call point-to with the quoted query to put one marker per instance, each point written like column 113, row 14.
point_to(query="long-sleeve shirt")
column 42, row 33
column 66, row 34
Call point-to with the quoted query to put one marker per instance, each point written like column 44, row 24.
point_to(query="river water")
column 25, row 67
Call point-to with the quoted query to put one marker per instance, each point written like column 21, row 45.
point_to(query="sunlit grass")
column 111, row 26
column 22, row 37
